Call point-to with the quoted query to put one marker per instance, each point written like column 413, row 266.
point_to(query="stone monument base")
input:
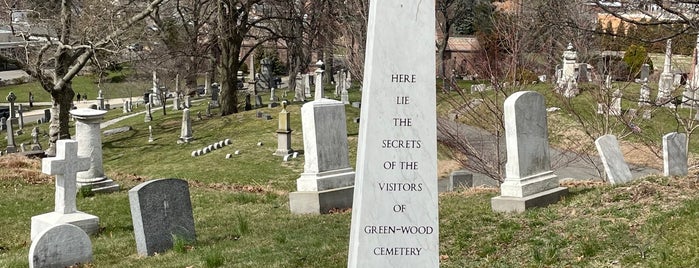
column 325, row 180
column 520, row 204
column 89, row 223
column 321, row 202
column 104, row 185
column 284, row 143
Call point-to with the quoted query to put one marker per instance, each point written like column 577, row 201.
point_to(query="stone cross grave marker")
column 675, row 154
column 614, row 165
column 65, row 166
column 395, row 220
column 61, row 245
column 161, row 211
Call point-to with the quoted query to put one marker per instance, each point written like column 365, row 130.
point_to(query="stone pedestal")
column 89, row 137
column 326, row 168
column 284, row 133
column 86, row 222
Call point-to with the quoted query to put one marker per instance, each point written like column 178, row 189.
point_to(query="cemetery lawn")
column 242, row 217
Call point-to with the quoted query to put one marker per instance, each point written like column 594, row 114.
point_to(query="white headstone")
column 89, row 137
column 65, row 166
column 614, row 165
column 395, row 220
column 675, row 154
column 62, row 245
column 186, row 129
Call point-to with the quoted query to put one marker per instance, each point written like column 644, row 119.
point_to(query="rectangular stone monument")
column 65, row 166
column 617, row 170
column 529, row 180
column 327, row 178
column 161, row 212
column 460, row 179
column 395, row 219
column 47, row 115
column 675, row 154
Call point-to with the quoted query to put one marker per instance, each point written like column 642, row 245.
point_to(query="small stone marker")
column 186, row 129
column 614, row 165
column 675, row 154
column 530, row 182
column 161, row 212
column 227, row 142
column 460, row 179
column 65, row 166
column 228, row 156
column 194, row 153
column 150, row 133
column 237, row 152
column 259, row 143
column 62, row 245
column 395, row 219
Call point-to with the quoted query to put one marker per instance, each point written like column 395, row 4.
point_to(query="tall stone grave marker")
column 666, row 78
column 327, row 178
column 62, row 245
column 614, row 165
column 284, row 133
column 529, row 180
column 395, row 219
column 89, row 137
column 161, row 211
column 675, row 154
column 307, row 85
column 65, row 166
column 186, row 129
column 20, row 116
column 320, row 93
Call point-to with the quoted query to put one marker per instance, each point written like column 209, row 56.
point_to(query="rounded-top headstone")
column 216, row 146
column 60, row 246
column 194, row 153
column 237, row 152
column 259, row 143
column 206, row 150
column 227, row 141
column 228, row 156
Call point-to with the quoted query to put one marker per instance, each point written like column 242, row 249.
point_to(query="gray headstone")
column 460, row 179
column 61, row 245
column 645, row 72
column 675, row 154
column 47, row 115
column 614, row 165
column 161, row 211
column 528, row 169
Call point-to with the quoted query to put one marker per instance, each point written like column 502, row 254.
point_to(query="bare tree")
column 66, row 45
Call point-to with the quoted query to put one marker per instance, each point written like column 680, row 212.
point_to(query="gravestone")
column 675, row 154
column 644, row 96
column 186, row 128
column 100, row 100
column 395, row 219
column 150, row 133
column 65, row 166
column 187, row 102
column 47, row 115
column 460, row 179
column 583, row 76
column 284, row 133
column 176, row 103
column 645, row 72
column 319, row 93
column 36, row 145
column 258, row 101
column 11, row 146
column 62, row 245
column 89, row 137
column 529, row 180
column 248, row 105
column 161, row 212
column 20, row 116
column 665, row 84
column 124, row 107
column 327, row 178
column 306, row 86
column 615, row 167
column 616, row 103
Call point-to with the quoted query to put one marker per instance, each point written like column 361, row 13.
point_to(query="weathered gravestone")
column 65, row 166
column 395, row 220
column 675, row 154
column 460, row 179
column 59, row 246
column 161, row 211
column 614, row 165
column 529, row 180
column 327, row 178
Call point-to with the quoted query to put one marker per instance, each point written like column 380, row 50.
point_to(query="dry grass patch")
column 19, row 167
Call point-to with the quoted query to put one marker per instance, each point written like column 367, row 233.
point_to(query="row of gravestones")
column 161, row 212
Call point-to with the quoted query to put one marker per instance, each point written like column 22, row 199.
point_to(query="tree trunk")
column 229, row 65
column 60, row 115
